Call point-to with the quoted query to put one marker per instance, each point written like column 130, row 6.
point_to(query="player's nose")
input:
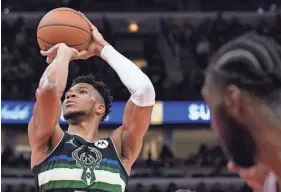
column 71, row 95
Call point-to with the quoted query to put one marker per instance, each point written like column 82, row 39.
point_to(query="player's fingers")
column 81, row 55
column 48, row 60
column 96, row 35
column 94, row 29
column 43, row 53
column 50, row 51
column 46, row 53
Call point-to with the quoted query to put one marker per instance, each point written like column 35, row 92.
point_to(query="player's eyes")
column 83, row 92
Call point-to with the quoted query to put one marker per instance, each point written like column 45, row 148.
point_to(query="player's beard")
column 237, row 141
column 72, row 115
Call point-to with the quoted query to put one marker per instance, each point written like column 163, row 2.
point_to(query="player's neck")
column 87, row 129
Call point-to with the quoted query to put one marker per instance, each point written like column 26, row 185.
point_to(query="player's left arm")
column 137, row 115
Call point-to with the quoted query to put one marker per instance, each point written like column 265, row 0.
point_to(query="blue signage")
column 20, row 112
column 186, row 112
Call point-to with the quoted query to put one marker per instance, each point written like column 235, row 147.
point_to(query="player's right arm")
column 43, row 130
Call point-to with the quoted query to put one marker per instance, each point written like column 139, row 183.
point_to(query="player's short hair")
column 100, row 87
column 251, row 62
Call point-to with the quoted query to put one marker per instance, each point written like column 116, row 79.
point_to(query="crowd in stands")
column 142, row 5
column 175, row 75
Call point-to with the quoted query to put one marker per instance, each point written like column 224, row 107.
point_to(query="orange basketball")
column 64, row 25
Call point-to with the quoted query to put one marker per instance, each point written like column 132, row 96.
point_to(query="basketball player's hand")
column 61, row 50
column 96, row 45
column 254, row 176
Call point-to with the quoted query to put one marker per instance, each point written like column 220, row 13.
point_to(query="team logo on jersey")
column 102, row 144
column 88, row 162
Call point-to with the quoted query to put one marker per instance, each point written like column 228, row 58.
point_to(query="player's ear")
column 100, row 109
column 232, row 98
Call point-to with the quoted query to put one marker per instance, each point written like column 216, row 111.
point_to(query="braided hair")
column 252, row 63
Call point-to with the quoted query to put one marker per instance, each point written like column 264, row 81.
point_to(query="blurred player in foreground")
column 75, row 160
column 254, row 176
column 243, row 90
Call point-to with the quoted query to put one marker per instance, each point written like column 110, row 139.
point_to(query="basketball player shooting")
column 243, row 90
column 75, row 160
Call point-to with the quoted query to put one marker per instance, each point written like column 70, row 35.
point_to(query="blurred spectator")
column 23, row 188
column 149, row 161
column 246, row 188
column 154, row 188
column 172, row 187
column 7, row 155
column 201, row 188
column 140, row 188
column 217, row 188
column 231, row 188
column 166, row 153
column 9, row 188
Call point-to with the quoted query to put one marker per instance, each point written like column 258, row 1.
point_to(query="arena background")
column 171, row 41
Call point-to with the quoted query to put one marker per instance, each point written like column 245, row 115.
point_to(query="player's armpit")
column 41, row 149
column 130, row 135
column 136, row 119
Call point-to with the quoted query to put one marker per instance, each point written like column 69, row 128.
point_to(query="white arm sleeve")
column 138, row 84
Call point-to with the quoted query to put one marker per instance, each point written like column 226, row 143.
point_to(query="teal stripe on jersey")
column 80, row 185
